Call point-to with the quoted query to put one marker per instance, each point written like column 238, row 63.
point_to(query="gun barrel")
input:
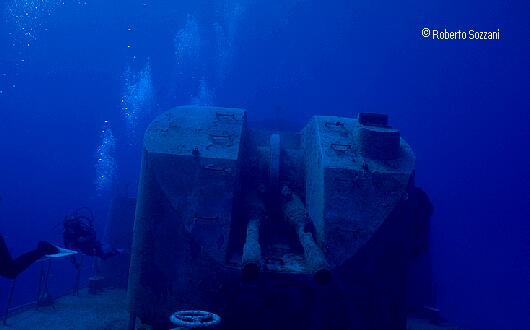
column 295, row 213
column 251, row 258
column 314, row 257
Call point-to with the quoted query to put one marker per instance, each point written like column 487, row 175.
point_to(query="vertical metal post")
column 77, row 277
column 132, row 321
column 95, row 270
column 274, row 164
column 39, row 289
column 9, row 300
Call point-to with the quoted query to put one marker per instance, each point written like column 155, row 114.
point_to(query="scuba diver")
column 11, row 268
column 80, row 235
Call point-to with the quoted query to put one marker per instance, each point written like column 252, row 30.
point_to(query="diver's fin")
column 62, row 253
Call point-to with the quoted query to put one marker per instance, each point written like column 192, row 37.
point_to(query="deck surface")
column 106, row 311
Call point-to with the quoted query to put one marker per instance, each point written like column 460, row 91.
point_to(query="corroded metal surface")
column 210, row 205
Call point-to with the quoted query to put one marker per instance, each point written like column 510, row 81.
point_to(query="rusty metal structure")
column 272, row 230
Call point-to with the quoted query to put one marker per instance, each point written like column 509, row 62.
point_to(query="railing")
column 43, row 297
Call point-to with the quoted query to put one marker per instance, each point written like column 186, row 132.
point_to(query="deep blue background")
column 464, row 106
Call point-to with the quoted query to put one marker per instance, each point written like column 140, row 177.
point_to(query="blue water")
column 80, row 80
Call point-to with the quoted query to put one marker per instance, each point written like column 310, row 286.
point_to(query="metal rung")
column 212, row 167
column 218, row 139
column 341, row 147
column 197, row 217
column 335, row 124
column 222, row 115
